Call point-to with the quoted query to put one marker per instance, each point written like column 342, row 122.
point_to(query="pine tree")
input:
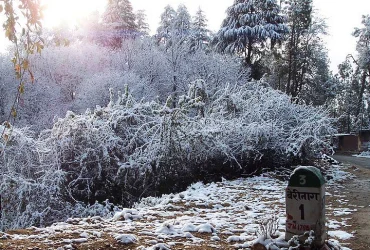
column 141, row 23
column 355, row 78
column 249, row 24
column 166, row 24
column 299, row 13
column 119, row 21
column 347, row 99
column 352, row 103
column 199, row 32
column 182, row 21
column 363, row 72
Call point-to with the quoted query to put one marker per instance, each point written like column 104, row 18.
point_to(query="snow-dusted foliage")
column 132, row 149
column 119, row 23
column 352, row 100
column 182, row 21
column 33, row 183
column 79, row 76
column 248, row 24
column 7, row 85
column 200, row 35
column 166, row 24
column 141, row 22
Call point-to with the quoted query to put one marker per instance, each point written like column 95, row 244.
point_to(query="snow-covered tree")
column 182, row 21
column 141, row 22
column 131, row 149
column 166, row 24
column 200, row 37
column 7, row 87
column 363, row 64
column 354, row 77
column 89, row 28
column 119, row 22
column 21, row 22
column 306, row 65
column 249, row 25
column 299, row 15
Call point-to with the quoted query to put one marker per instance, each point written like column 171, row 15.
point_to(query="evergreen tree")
column 308, row 65
column 166, row 24
column 301, row 67
column 355, row 80
column 90, row 27
column 299, row 13
column 119, row 22
column 182, row 21
column 347, row 98
column 249, row 25
column 199, row 31
column 363, row 64
column 141, row 23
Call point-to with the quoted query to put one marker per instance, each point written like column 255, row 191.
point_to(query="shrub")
column 131, row 149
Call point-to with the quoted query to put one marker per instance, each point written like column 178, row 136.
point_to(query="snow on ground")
column 365, row 154
column 340, row 235
column 224, row 215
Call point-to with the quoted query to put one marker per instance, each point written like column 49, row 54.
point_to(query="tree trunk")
column 248, row 59
column 361, row 93
column 291, row 49
column 174, row 89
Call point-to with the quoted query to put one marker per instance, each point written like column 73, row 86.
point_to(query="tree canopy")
column 250, row 24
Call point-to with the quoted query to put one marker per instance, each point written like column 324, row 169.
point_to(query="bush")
column 129, row 149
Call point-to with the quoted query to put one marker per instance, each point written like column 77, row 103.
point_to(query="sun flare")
column 58, row 12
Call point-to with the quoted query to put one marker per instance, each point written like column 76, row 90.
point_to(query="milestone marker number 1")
column 305, row 204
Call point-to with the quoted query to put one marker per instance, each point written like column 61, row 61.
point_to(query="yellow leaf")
column 17, row 68
column 32, row 77
column 38, row 48
column 25, row 64
column 1, row 8
column 21, row 88
column 14, row 112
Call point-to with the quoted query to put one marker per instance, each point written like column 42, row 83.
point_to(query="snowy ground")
column 225, row 215
column 365, row 154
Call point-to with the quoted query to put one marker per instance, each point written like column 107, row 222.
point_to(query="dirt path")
column 358, row 194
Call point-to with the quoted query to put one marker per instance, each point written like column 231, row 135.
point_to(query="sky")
column 341, row 17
